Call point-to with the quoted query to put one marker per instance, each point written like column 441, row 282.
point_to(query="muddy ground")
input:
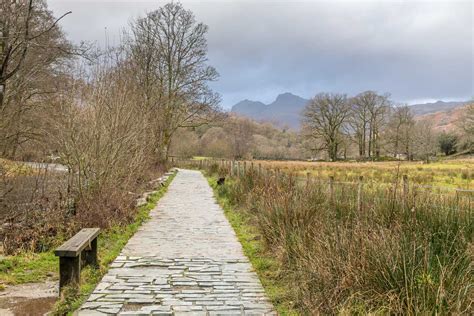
column 32, row 299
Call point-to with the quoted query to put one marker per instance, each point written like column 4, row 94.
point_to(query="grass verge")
column 267, row 267
column 27, row 267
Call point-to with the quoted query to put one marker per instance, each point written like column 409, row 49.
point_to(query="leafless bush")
column 31, row 208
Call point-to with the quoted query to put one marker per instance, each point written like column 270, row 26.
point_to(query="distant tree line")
column 378, row 128
column 368, row 126
column 237, row 137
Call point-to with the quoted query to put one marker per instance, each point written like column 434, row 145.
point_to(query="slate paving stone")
column 186, row 260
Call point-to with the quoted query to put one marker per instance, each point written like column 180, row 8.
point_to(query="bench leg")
column 69, row 271
column 91, row 255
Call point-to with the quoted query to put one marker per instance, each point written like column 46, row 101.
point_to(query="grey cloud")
column 413, row 49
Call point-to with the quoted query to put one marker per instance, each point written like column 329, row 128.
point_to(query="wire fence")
column 402, row 189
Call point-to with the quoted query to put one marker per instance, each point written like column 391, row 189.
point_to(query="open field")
column 448, row 173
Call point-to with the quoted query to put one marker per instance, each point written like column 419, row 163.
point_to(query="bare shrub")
column 31, row 208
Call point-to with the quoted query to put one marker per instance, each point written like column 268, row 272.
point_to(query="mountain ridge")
column 285, row 110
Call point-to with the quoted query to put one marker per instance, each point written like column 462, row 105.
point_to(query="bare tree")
column 240, row 131
column 369, row 112
column 425, row 139
column 216, row 142
column 169, row 49
column 324, row 118
column 33, row 51
column 100, row 131
column 359, row 121
column 466, row 126
column 399, row 134
column 22, row 24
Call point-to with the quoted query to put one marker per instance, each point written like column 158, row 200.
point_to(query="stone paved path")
column 186, row 260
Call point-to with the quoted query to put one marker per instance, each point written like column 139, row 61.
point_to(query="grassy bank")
column 335, row 252
column 267, row 267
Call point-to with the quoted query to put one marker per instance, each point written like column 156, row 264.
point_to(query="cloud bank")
column 416, row 50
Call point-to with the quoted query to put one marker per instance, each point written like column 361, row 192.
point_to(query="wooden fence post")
column 307, row 178
column 259, row 169
column 359, row 194
column 238, row 169
column 245, row 168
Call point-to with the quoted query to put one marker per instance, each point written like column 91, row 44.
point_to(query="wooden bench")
column 82, row 248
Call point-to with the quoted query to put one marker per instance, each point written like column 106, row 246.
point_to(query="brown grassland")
column 447, row 173
column 352, row 249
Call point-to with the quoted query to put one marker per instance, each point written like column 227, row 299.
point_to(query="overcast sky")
column 416, row 50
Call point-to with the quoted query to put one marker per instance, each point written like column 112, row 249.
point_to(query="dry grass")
column 449, row 173
column 389, row 254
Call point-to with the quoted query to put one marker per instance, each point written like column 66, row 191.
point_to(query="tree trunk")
column 364, row 138
column 4, row 36
column 376, row 144
column 369, row 150
column 332, row 151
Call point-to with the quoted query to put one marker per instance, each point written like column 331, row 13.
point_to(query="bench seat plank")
column 74, row 246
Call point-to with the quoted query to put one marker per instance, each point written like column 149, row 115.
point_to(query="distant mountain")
column 287, row 107
column 284, row 111
column 444, row 120
column 252, row 109
column 439, row 106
